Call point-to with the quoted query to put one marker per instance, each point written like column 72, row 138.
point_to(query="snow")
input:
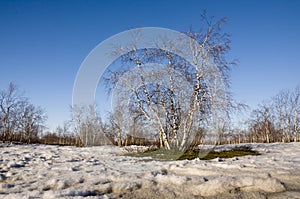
column 41, row 171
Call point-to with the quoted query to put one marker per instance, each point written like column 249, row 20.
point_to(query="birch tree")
column 172, row 108
column 286, row 106
column 116, row 121
column 88, row 125
column 262, row 125
column 281, row 110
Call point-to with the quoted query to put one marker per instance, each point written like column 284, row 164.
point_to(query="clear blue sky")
column 43, row 43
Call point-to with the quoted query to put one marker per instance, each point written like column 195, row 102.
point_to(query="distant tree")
column 19, row 119
column 281, row 108
column 88, row 125
column 116, row 121
column 10, row 100
column 276, row 120
column 31, row 122
column 286, row 106
column 295, row 103
column 262, row 126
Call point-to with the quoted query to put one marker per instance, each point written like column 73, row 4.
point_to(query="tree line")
column 274, row 120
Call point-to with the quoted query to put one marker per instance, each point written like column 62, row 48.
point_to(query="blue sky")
column 43, row 43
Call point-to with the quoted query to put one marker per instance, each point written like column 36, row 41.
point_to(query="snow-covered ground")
column 39, row 171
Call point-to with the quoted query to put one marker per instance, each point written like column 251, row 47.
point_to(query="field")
column 41, row 171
